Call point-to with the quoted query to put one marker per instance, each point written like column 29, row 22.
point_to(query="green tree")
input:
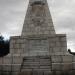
column 4, row 46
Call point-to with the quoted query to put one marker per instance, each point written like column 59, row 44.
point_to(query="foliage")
column 4, row 46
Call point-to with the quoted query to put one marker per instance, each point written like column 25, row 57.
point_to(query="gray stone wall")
column 5, row 65
column 59, row 64
column 34, row 45
column 54, row 45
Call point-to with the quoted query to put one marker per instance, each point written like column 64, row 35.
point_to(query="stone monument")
column 39, row 50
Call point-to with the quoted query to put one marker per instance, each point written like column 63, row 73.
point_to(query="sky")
column 12, row 14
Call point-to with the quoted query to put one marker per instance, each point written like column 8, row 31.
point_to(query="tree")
column 4, row 46
column 73, row 53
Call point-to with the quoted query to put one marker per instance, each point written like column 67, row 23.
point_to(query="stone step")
column 36, row 67
column 35, row 70
column 36, row 62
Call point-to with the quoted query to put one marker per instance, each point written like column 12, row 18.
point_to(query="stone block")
column 22, row 46
column 44, row 60
column 6, row 67
column 56, row 66
column 47, row 73
column 5, row 73
column 64, row 49
column 22, row 70
column 0, row 72
column 67, row 58
column 12, row 41
column 56, row 49
column 11, row 45
column 72, row 72
column 15, row 73
column 7, row 60
column 45, row 67
column 73, row 58
column 17, row 46
column 31, row 67
column 56, row 39
column 20, row 41
column 66, row 66
column 63, row 38
column 11, row 50
column 58, row 44
column 50, row 50
column 16, row 51
column 37, row 72
column 59, row 53
column 52, row 39
column 1, row 67
column 16, row 67
column 1, row 61
column 38, row 47
column 23, row 51
column 64, row 44
column 73, row 65
column 42, row 69
column 31, row 63
column 56, row 59
column 17, row 60
column 19, row 51
column 58, row 72
column 26, row 73
column 45, row 63
column 47, row 32
column 34, row 72
column 52, row 44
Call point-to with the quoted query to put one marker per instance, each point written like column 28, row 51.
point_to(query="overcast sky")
column 12, row 14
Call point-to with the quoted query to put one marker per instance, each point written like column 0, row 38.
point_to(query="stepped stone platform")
column 36, row 63
column 39, row 50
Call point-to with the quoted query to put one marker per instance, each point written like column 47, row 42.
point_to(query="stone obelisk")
column 38, row 19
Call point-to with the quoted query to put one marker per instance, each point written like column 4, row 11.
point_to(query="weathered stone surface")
column 40, row 22
column 39, row 50
column 1, row 67
column 26, row 73
column 15, row 67
column 35, row 73
column 7, row 59
column 5, row 73
column 56, row 66
column 6, row 67
column 67, row 58
column 56, row 59
column 17, row 60
column 73, row 65
column 37, row 63
column 66, row 66
column 73, row 57
column 14, row 73
column 58, row 72
column 47, row 73
column 1, row 61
